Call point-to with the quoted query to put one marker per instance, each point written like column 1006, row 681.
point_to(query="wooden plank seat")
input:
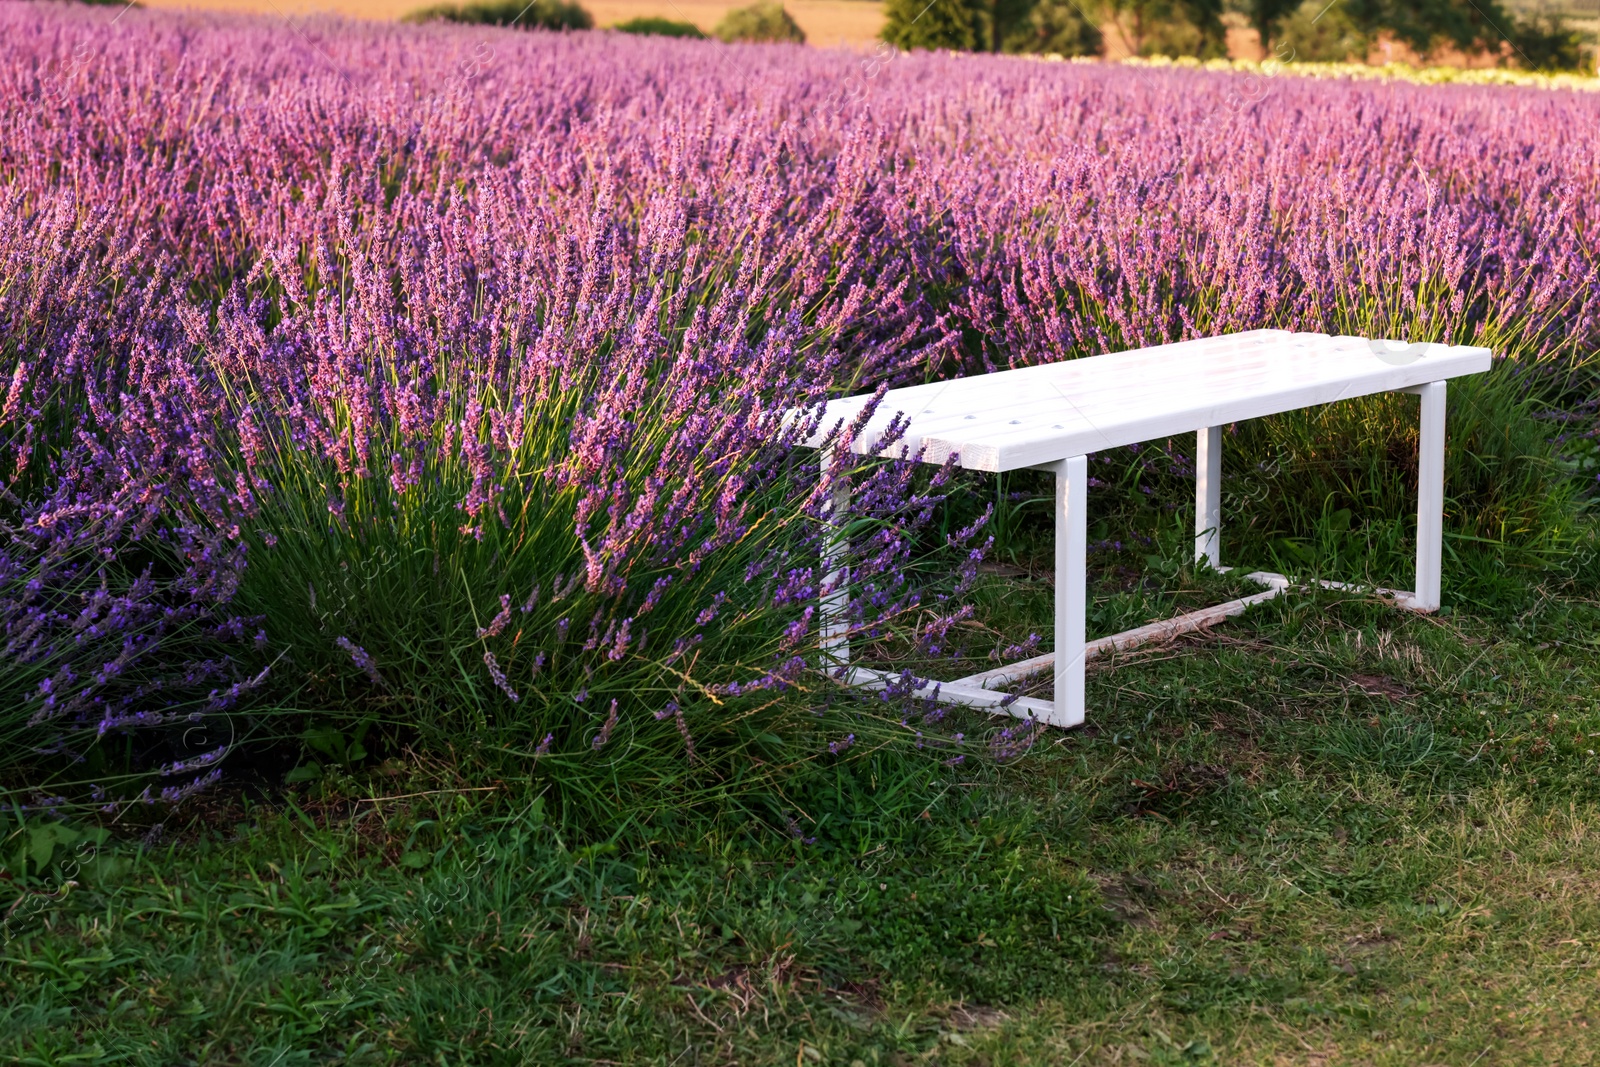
column 1052, row 417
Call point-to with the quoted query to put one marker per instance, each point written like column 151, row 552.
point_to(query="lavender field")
column 420, row 367
column 426, row 365
column 402, row 410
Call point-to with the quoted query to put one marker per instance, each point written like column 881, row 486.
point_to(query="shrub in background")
column 539, row 14
column 766, row 22
column 654, row 26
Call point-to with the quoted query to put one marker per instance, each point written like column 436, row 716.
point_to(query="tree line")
column 1308, row 30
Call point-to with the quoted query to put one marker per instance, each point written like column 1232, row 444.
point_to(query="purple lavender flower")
column 177, row 794
column 205, row 759
column 683, row 731
column 359, row 657
column 499, row 677
column 1015, row 741
column 498, row 623
column 604, row 735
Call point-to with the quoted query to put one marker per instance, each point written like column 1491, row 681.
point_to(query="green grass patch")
column 1327, row 832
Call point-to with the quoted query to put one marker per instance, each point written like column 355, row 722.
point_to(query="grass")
column 1329, row 832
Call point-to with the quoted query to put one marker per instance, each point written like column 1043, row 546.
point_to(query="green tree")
column 1171, row 27
column 1317, row 33
column 1426, row 24
column 1002, row 19
column 1206, row 17
column 916, row 24
column 959, row 25
column 1317, row 29
column 1544, row 41
column 1055, row 27
column 1266, row 15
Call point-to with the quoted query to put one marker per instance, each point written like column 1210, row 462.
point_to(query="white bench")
column 1052, row 417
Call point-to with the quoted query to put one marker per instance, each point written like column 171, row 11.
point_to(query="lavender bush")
column 582, row 507
column 457, row 355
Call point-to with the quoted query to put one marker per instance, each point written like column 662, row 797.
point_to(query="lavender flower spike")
column 359, row 657
column 499, row 677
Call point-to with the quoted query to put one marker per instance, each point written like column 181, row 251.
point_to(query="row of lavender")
column 437, row 370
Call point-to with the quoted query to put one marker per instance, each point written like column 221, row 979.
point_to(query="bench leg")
column 1208, row 496
column 1072, row 504
column 835, row 589
column 1430, row 497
